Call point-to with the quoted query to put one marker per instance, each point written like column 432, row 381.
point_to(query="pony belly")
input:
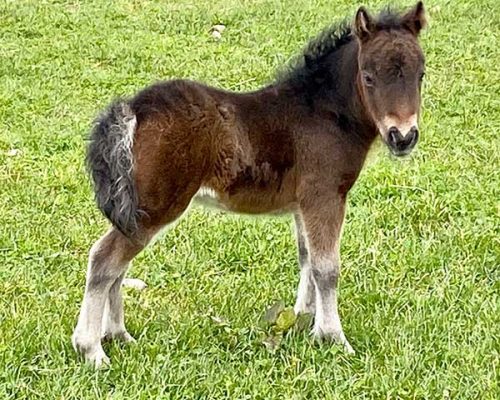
column 246, row 202
column 208, row 197
column 264, row 202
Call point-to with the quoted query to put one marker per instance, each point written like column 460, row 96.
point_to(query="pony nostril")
column 412, row 136
column 393, row 135
column 414, row 133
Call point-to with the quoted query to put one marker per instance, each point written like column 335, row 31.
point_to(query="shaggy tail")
column 110, row 163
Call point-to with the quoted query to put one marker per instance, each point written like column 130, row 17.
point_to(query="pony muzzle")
column 400, row 136
column 401, row 144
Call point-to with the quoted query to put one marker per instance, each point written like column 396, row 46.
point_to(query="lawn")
column 420, row 291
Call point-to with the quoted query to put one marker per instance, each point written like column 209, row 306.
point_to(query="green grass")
column 420, row 291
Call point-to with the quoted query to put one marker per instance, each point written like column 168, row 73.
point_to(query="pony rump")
column 110, row 164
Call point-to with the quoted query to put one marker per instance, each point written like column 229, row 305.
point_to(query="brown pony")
column 295, row 146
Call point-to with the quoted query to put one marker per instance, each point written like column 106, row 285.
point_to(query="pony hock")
column 297, row 146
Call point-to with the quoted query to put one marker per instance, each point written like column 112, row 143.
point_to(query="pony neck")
column 338, row 95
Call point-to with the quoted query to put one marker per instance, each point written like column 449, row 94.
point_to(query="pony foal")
column 295, row 146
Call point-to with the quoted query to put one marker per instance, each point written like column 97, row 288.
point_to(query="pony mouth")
column 399, row 151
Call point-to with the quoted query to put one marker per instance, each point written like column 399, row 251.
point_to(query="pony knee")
column 326, row 275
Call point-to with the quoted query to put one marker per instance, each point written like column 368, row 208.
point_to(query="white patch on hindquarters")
column 125, row 130
column 130, row 123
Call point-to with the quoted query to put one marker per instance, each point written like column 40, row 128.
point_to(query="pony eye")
column 422, row 76
column 367, row 78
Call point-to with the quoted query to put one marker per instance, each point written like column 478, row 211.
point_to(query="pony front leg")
column 323, row 218
column 306, row 294
column 327, row 321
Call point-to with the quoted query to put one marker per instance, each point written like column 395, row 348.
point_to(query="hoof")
column 98, row 359
column 333, row 336
column 124, row 337
column 93, row 353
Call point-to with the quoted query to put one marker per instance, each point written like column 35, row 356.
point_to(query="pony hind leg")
column 113, row 322
column 102, row 307
column 108, row 261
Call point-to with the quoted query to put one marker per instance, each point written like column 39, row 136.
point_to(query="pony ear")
column 414, row 19
column 364, row 26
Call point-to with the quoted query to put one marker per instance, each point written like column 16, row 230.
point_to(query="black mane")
column 310, row 70
column 311, row 61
